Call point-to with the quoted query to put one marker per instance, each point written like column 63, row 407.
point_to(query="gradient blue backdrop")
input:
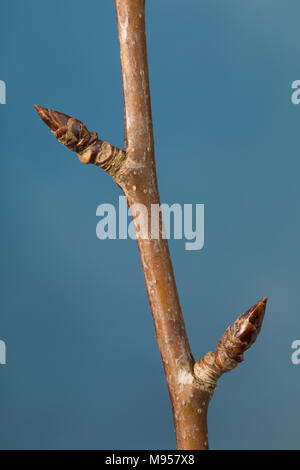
column 83, row 369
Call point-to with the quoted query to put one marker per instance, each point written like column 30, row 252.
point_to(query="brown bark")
column 133, row 169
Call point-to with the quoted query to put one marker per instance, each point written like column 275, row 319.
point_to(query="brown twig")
column 133, row 169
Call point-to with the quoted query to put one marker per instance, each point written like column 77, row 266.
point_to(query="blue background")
column 83, row 369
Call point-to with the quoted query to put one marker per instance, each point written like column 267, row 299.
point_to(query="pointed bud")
column 241, row 334
column 73, row 134
column 53, row 119
column 237, row 338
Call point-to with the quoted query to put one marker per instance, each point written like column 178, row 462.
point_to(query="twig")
column 133, row 169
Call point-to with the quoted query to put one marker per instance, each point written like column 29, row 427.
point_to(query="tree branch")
column 133, row 169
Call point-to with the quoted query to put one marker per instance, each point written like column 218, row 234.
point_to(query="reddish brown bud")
column 237, row 338
column 73, row 134
column 241, row 334
column 53, row 119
